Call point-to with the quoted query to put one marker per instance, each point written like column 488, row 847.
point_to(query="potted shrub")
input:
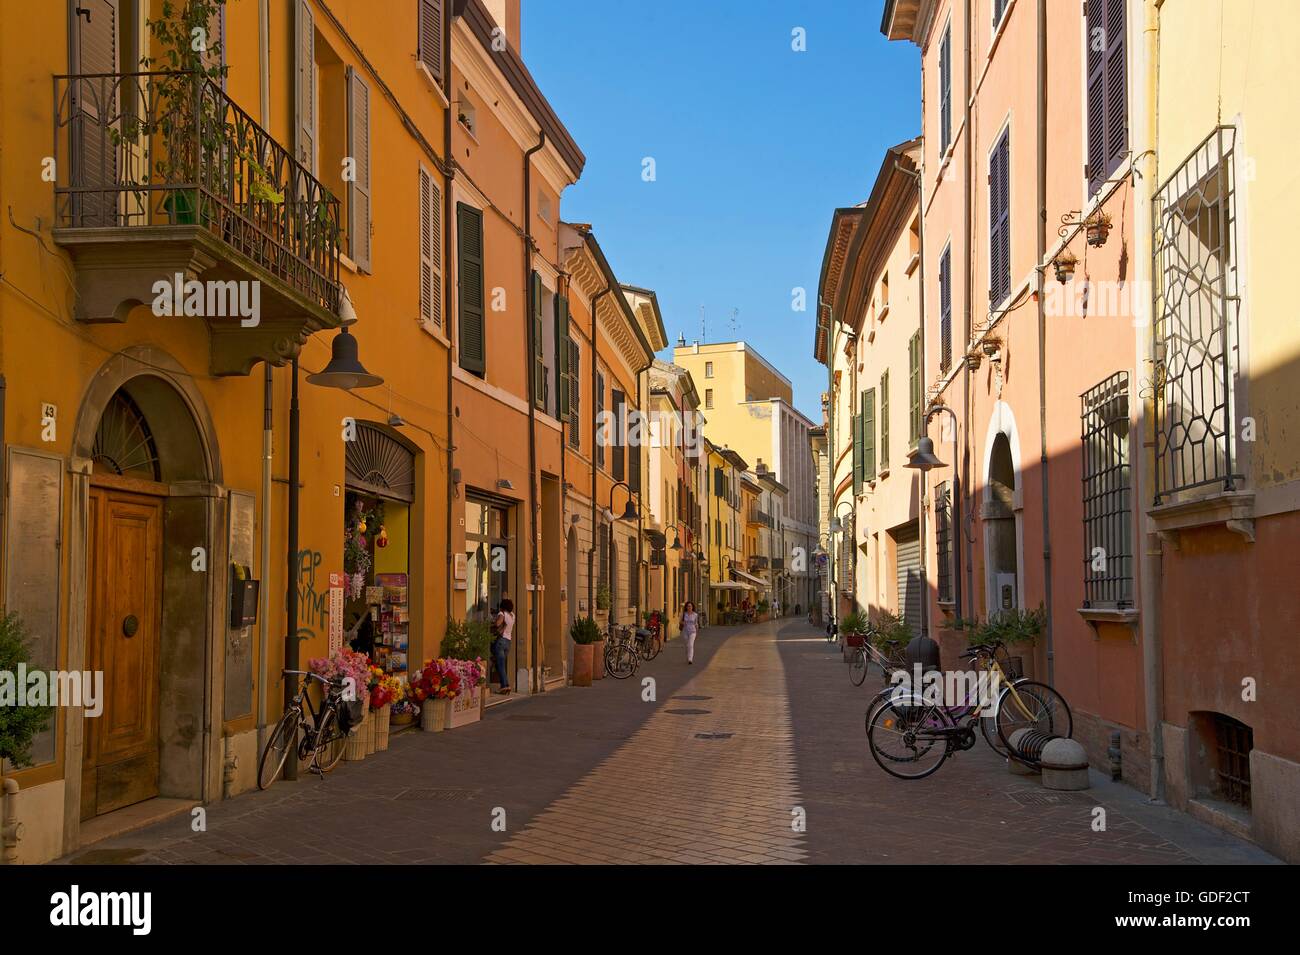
column 18, row 724
column 892, row 635
column 585, row 634
column 854, row 628
column 603, row 600
column 1014, row 628
column 761, row 610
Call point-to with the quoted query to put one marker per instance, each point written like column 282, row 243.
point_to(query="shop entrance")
column 377, row 547
column 488, row 563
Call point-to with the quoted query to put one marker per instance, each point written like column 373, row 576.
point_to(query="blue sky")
column 754, row 146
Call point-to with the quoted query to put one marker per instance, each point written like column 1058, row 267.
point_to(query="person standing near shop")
column 690, row 628
column 504, row 625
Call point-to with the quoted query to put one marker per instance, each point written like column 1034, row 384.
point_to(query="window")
column 708, row 399
column 915, row 425
column 943, row 539
column 945, row 310
column 358, row 186
column 1000, row 11
column 1107, row 513
column 466, row 114
column 884, row 421
column 617, row 444
column 430, row 36
column 1107, row 99
column 543, row 206
column 1000, row 220
column 1195, row 321
column 633, row 575
column 430, row 252
column 469, row 284
column 535, row 308
column 945, row 90
column 884, row 293
column 855, row 428
column 708, row 369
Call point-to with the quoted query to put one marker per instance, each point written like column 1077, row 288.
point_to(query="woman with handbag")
column 503, row 625
column 690, row 628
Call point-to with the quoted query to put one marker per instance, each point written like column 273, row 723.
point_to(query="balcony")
column 160, row 175
column 756, row 564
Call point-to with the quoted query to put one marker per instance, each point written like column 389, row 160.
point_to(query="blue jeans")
column 500, row 652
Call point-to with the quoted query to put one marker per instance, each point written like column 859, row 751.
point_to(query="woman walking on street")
column 690, row 627
column 504, row 624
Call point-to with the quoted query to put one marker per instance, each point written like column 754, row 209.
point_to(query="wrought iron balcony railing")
column 157, row 150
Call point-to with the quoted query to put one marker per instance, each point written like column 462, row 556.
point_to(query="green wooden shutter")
column 869, row 434
column 617, row 466
column 539, row 355
column 914, row 388
column 469, row 254
column 856, row 427
column 562, row 383
column 575, row 393
column 884, row 420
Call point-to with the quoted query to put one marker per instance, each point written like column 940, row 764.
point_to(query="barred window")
column 1107, row 514
column 943, row 539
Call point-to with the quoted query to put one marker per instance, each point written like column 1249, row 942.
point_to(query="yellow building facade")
column 151, row 331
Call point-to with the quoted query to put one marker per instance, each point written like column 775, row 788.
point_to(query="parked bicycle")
column 621, row 653
column 321, row 732
column 911, row 737
column 889, row 659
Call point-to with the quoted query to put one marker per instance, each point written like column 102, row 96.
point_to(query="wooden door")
column 124, row 617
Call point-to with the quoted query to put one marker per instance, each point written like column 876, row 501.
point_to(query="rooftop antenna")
column 704, row 328
column 735, row 322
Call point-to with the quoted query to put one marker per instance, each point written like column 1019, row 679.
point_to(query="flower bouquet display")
column 434, row 686
column 405, row 712
column 385, row 690
column 353, row 669
column 467, row 706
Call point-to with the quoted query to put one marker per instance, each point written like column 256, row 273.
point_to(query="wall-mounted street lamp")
column 923, row 459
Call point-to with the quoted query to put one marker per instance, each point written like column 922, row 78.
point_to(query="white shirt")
column 506, row 620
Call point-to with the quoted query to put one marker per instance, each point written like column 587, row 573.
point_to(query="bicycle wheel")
column 858, row 666
column 989, row 729
column 903, row 739
column 1034, row 706
column 330, row 740
column 655, row 646
column 876, row 702
column 278, row 746
column 620, row 661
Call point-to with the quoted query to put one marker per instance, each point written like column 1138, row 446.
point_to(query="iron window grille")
column 1107, row 490
column 1233, row 742
column 1195, row 329
column 943, row 539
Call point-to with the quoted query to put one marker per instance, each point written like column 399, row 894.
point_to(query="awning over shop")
column 755, row 583
column 728, row 585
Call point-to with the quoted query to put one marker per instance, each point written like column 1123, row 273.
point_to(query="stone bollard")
column 1065, row 765
column 1014, row 767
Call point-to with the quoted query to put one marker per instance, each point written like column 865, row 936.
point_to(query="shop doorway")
column 1001, row 529
column 488, row 553
column 380, row 476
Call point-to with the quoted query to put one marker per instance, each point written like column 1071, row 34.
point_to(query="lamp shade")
column 630, row 512
column 924, row 458
column 344, row 370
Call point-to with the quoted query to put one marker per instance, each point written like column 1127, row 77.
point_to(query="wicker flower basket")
column 382, row 720
column 433, row 715
column 354, row 750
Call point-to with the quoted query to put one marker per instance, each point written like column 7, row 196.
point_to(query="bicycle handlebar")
column 313, row 676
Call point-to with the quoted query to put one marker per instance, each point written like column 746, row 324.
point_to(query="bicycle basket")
column 350, row 714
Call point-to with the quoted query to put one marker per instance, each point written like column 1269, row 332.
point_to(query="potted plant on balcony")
column 181, row 94
column 585, row 634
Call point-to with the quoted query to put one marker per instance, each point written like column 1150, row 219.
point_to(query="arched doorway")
column 150, row 536
column 1000, row 529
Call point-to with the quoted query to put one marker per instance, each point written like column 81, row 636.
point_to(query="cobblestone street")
column 713, row 771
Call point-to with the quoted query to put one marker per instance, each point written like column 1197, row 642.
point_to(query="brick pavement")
column 764, row 722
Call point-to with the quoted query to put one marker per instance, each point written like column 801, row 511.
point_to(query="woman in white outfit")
column 690, row 627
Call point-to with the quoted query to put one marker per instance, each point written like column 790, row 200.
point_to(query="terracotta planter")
column 598, row 660
column 433, row 715
column 582, row 663
column 382, row 719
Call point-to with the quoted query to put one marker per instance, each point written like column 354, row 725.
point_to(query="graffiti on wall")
column 313, row 600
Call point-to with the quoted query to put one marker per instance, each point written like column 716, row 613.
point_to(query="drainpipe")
column 968, row 132
column 1152, row 566
column 264, row 62
column 1040, row 237
column 534, row 561
column 12, row 829
column 291, row 644
column 449, row 162
column 831, row 567
column 264, row 611
column 591, row 552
